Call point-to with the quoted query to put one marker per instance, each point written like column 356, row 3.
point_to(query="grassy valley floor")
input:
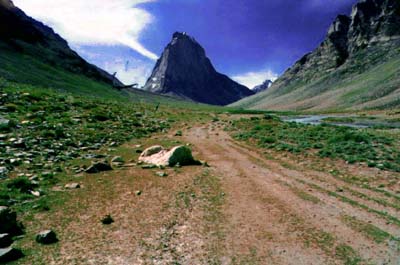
column 274, row 192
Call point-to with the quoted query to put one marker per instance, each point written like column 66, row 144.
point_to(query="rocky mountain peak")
column 184, row 70
column 264, row 86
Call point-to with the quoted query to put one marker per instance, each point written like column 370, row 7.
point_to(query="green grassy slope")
column 376, row 88
column 23, row 68
column 19, row 68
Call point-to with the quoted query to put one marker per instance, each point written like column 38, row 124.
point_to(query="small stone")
column 46, row 237
column 148, row 166
column 129, row 165
column 117, row 159
column 204, row 164
column 107, row 220
column 98, row 167
column 47, row 174
column 72, row 186
column 3, row 172
column 161, row 174
column 36, row 193
column 5, row 240
column 138, row 192
column 10, row 254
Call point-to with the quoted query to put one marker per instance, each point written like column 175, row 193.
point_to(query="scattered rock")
column 9, row 223
column 10, row 254
column 129, row 165
column 138, row 192
column 161, row 174
column 72, row 186
column 107, row 220
column 118, row 159
column 4, row 123
column 3, row 172
column 5, row 240
column 35, row 193
column 98, row 167
column 149, row 166
column 204, row 164
column 159, row 156
column 46, row 237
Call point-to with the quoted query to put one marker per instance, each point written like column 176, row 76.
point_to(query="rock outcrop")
column 23, row 34
column 185, row 71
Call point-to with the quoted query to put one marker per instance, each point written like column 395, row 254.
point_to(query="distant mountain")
column 357, row 66
column 185, row 71
column 22, row 35
column 264, row 86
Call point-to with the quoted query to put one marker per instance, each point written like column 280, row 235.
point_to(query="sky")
column 248, row 40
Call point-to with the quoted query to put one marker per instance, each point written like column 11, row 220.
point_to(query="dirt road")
column 276, row 215
column 248, row 207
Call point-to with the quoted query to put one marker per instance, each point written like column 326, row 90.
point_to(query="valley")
column 195, row 167
column 248, row 205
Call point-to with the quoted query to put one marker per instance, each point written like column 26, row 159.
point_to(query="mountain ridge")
column 32, row 37
column 364, row 42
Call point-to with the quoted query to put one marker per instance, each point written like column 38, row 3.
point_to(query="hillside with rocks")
column 355, row 67
column 185, row 71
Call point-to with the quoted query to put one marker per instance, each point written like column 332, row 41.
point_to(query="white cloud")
column 252, row 79
column 88, row 22
column 135, row 72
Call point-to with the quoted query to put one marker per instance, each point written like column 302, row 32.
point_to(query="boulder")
column 9, row 223
column 46, row 237
column 10, row 254
column 98, row 167
column 159, row 156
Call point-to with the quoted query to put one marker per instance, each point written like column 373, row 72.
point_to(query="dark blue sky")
column 246, row 35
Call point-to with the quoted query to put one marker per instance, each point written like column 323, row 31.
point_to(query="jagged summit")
column 185, row 71
column 264, row 86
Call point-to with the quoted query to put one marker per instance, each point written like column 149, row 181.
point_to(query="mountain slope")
column 185, row 71
column 24, row 40
column 356, row 67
